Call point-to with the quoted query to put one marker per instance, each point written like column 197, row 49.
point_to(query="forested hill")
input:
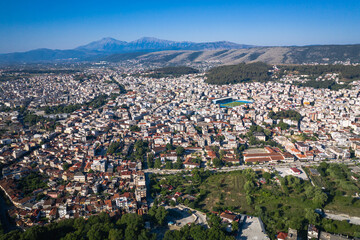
column 260, row 72
column 347, row 72
column 171, row 71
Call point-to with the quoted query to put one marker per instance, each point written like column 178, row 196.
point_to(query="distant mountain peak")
column 108, row 39
column 151, row 40
column 109, row 45
column 106, row 44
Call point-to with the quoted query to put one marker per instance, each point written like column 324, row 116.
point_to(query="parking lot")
column 180, row 217
column 252, row 229
column 284, row 171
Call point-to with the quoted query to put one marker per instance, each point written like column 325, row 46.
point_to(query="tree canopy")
column 231, row 74
column 172, row 71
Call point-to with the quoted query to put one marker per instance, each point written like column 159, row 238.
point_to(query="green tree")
column 34, row 233
column 283, row 126
column 217, row 162
column 135, row 128
column 198, row 232
column 222, row 154
column 172, row 235
column 250, row 174
column 235, row 226
column 312, row 216
column 249, row 186
column 178, row 164
column 238, row 73
column 113, row 147
column 320, row 198
column 169, row 146
column 145, row 235
column 249, row 200
column 180, row 151
column 267, row 132
column 97, row 232
column 66, row 166
column 214, row 221
column 116, row 234
column 159, row 214
column 168, row 165
column 267, row 176
column 150, row 160
column 157, row 163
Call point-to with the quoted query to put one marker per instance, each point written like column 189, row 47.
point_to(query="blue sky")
column 62, row 24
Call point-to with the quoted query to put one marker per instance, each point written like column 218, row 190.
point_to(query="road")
column 341, row 217
column 163, row 104
column 295, row 164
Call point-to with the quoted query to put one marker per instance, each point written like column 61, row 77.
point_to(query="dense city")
column 77, row 143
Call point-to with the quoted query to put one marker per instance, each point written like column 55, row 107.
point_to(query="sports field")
column 235, row 103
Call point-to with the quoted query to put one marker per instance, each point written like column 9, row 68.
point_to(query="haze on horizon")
column 27, row 25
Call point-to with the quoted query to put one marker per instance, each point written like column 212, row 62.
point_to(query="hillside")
column 108, row 46
column 157, row 51
column 272, row 55
column 239, row 73
column 260, row 72
column 171, row 71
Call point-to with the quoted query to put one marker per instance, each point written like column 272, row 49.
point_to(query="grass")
column 346, row 205
column 225, row 190
column 298, row 138
column 338, row 204
column 317, row 180
column 280, row 206
column 233, row 104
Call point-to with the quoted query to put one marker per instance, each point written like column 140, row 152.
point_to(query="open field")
column 233, row 104
column 346, row 205
column 226, row 190
column 317, row 180
column 280, row 200
column 342, row 200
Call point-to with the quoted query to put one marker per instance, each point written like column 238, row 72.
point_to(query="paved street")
column 342, row 217
column 284, row 166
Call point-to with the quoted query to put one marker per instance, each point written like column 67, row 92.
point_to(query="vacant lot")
column 317, row 180
column 343, row 190
column 225, row 190
column 343, row 204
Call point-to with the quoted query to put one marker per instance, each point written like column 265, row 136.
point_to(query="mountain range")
column 111, row 45
column 325, row 54
column 107, row 46
column 153, row 50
